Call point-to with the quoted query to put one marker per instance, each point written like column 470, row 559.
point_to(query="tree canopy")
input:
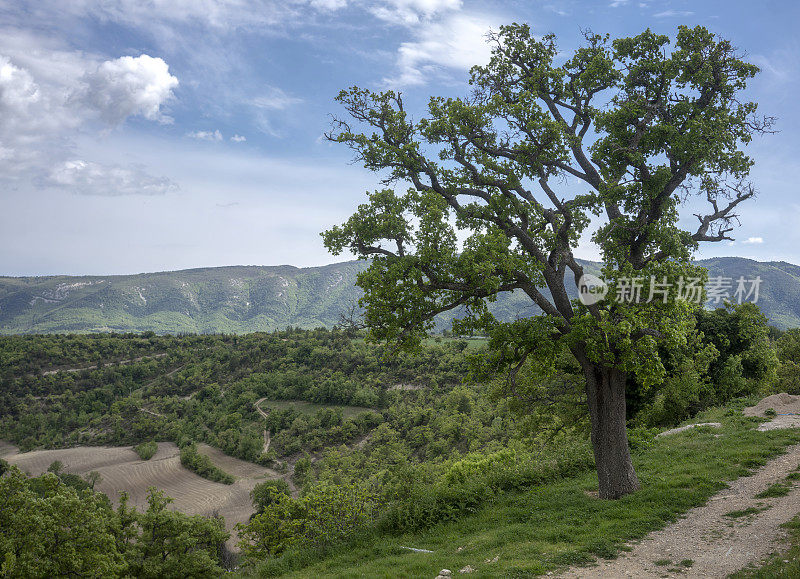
column 614, row 143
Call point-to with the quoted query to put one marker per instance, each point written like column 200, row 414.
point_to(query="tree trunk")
column 605, row 391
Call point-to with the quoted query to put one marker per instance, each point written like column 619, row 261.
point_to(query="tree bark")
column 605, row 391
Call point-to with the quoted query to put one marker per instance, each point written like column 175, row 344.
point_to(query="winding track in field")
column 113, row 363
column 267, row 437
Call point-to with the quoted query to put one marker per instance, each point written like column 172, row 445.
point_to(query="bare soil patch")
column 122, row 470
column 786, row 407
column 7, row 448
column 688, row 427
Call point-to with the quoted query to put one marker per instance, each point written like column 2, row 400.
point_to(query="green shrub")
column 266, row 493
column 325, row 515
column 146, row 450
column 462, row 486
column 200, row 464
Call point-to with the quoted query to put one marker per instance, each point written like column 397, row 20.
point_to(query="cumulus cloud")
column 17, row 88
column 49, row 96
column 754, row 240
column 130, row 86
column 238, row 139
column 87, row 178
column 457, row 42
column 206, row 135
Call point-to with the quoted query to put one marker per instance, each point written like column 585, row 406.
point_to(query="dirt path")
column 112, row 363
column 267, row 437
column 717, row 545
column 257, row 404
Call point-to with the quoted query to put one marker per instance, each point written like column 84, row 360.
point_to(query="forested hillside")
column 245, row 299
column 385, row 445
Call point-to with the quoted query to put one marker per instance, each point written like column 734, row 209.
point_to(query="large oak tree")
column 616, row 141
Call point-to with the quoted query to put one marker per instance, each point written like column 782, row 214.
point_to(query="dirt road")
column 715, row 543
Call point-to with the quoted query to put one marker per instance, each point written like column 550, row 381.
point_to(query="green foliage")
column 265, row 493
column 728, row 355
column 50, row 529
column 421, row 499
column 325, row 515
column 789, row 355
column 747, row 358
column 204, row 388
column 538, row 529
column 146, row 450
column 663, row 125
column 202, row 465
column 165, row 543
column 475, row 163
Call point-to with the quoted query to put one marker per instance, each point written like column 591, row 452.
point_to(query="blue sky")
column 148, row 135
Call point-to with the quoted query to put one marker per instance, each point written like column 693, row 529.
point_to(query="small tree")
column 634, row 129
column 93, row 478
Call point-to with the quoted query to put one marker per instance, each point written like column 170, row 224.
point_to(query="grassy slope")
column 252, row 298
column 559, row 524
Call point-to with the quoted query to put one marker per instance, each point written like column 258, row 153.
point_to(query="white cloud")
column 754, row 240
column 88, row 178
column 17, row 88
column 238, row 139
column 618, row 3
column 673, row 13
column 49, row 96
column 206, row 135
column 275, row 99
column 556, row 10
column 456, row 43
column 160, row 18
column 328, row 5
column 148, row 13
column 130, row 86
column 411, row 12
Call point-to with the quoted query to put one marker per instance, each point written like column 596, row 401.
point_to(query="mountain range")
column 239, row 299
